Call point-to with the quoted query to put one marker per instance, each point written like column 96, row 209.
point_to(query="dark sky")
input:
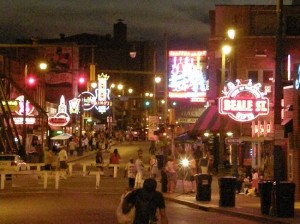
column 184, row 21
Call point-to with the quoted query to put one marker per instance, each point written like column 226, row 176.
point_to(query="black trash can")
column 203, row 182
column 227, row 187
column 283, row 199
column 265, row 191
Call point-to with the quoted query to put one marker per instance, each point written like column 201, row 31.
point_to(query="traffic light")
column 82, row 80
column 147, row 103
column 31, row 82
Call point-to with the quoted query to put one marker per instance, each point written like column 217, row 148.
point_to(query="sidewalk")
column 247, row 207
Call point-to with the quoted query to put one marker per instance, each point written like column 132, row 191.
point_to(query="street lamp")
column 226, row 49
column 157, row 80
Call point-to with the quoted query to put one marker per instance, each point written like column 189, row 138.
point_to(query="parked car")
column 12, row 163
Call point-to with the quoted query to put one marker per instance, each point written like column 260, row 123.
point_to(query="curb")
column 228, row 212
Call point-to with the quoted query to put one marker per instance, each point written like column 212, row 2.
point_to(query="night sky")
column 186, row 22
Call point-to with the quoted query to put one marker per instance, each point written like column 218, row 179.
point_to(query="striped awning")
column 210, row 120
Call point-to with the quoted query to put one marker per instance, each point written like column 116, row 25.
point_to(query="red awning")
column 210, row 120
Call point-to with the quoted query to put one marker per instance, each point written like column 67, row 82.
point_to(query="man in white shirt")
column 130, row 169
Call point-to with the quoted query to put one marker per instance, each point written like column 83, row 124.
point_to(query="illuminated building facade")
column 253, row 59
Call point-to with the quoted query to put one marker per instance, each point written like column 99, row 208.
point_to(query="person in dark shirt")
column 146, row 201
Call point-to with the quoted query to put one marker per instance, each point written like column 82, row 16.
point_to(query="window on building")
column 253, row 75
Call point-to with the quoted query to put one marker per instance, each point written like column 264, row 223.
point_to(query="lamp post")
column 157, row 80
column 43, row 67
column 225, row 51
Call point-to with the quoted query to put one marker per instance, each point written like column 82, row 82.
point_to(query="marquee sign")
column 61, row 118
column 243, row 102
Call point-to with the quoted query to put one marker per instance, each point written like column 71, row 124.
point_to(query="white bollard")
column 2, row 181
column 45, row 179
column 84, row 169
column 98, row 180
column 115, row 171
column 57, row 179
column 70, row 169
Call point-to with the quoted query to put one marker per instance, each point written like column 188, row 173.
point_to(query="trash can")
column 203, row 182
column 227, row 191
column 283, row 199
column 265, row 191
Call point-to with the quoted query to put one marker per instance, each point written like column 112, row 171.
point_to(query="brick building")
column 253, row 57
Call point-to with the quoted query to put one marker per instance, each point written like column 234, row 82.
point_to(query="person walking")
column 72, row 147
column 153, row 168
column 146, row 200
column 171, row 171
column 49, row 156
column 63, row 158
column 114, row 159
column 130, row 170
column 140, row 171
column 99, row 160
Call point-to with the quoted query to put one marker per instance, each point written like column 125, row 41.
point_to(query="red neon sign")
column 244, row 102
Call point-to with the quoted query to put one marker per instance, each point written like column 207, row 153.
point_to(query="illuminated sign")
column 187, row 75
column 13, row 104
column 24, row 109
column 100, row 100
column 61, row 118
column 74, row 106
column 102, row 94
column 297, row 80
column 244, row 102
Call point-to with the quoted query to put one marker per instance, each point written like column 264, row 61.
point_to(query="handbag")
column 127, row 218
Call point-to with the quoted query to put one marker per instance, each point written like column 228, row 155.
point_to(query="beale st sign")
column 243, row 102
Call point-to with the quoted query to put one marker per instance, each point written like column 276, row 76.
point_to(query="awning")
column 210, row 120
column 185, row 137
column 63, row 136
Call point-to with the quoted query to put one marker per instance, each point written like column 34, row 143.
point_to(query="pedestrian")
column 153, row 167
column 204, row 163
column 192, row 173
column 114, row 159
column 63, row 158
column 146, row 201
column 48, row 159
column 197, row 156
column 130, row 170
column 99, row 160
column 164, row 180
column 171, row 170
column 72, row 147
column 140, row 170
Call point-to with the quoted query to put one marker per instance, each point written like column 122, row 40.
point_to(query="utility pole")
column 278, row 129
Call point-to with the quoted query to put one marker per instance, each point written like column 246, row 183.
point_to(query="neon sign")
column 102, row 94
column 61, row 118
column 187, row 77
column 22, row 110
column 100, row 100
column 243, row 102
